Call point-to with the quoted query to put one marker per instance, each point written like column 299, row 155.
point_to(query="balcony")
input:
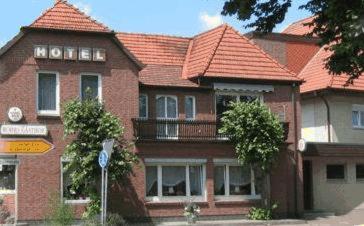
column 181, row 130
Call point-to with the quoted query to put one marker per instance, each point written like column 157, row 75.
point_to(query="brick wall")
column 39, row 175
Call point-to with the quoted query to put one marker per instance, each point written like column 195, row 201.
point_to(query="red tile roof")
column 299, row 28
column 220, row 52
column 156, row 49
column 64, row 16
column 317, row 77
column 164, row 75
column 233, row 55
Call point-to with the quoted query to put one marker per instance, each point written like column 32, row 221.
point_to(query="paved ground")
column 354, row 218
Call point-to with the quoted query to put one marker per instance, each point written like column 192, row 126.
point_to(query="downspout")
column 294, row 107
column 328, row 118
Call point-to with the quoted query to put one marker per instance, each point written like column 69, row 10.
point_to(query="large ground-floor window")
column 7, row 178
column 69, row 194
column 233, row 181
column 173, row 180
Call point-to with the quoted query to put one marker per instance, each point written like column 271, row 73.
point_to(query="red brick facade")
column 39, row 175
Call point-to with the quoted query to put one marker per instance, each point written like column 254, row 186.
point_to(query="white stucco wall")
column 314, row 120
column 341, row 119
column 339, row 197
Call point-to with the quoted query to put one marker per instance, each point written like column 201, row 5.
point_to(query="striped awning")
column 243, row 87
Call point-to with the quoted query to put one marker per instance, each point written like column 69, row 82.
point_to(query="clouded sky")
column 174, row 17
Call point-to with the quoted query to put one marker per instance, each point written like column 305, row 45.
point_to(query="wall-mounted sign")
column 15, row 114
column 24, row 146
column 24, row 130
column 69, row 53
column 302, row 145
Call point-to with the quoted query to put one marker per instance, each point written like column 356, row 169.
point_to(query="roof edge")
column 275, row 36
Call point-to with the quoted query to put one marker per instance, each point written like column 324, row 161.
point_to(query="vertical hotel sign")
column 69, row 53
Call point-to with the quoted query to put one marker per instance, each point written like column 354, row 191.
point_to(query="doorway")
column 307, row 185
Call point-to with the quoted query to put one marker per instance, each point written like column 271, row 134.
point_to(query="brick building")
column 169, row 92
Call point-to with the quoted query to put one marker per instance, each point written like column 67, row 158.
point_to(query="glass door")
column 167, row 114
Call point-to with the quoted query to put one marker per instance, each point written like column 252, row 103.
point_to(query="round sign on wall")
column 302, row 145
column 15, row 114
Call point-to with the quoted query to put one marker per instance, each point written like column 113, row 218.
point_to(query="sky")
column 171, row 17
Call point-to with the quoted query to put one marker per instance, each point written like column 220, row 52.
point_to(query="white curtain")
column 173, row 175
column 239, row 176
column 196, row 180
column 219, row 180
column 151, row 177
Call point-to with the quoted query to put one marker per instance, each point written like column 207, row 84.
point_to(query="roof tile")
column 64, row 16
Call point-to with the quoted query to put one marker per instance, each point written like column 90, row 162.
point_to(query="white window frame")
column 227, row 197
column 10, row 162
column 147, row 105
column 176, row 162
column 70, row 201
column 359, row 109
column 99, row 84
column 193, row 107
column 48, row 112
column 166, row 111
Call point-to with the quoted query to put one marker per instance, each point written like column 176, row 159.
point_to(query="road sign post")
column 104, row 157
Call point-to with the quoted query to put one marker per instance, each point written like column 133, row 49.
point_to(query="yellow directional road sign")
column 24, row 146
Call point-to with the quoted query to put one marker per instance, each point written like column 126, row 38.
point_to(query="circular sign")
column 103, row 158
column 302, row 145
column 15, row 114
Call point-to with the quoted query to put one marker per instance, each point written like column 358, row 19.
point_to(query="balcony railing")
column 180, row 130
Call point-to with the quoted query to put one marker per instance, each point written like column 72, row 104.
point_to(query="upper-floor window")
column 48, row 97
column 358, row 116
column 143, row 106
column 224, row 99
column 190, row 107
column 90, row 86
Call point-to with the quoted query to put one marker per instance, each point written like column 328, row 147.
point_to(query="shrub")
column 60, row 213
column 257, row 213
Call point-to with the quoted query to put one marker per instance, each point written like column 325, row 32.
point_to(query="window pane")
column 161, row 111
column 68, row 192
column 143, row 106
column 355, row 118
column 89, row 86
column 189, row 107
column 174, row 180
column 171, row 107
column 7, row 177
column 240, row 180
column 151, row 180
column 362, row 118
column 196, row 180
column 247, row 98
column 222, row 104
column 47, row 92
column 335, row 172
column 360, row 171
column 219, row 180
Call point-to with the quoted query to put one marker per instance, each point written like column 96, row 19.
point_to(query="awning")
column 243, row 87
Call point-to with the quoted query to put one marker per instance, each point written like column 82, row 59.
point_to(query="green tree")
column 257, row 136
column 339, row 25
column 87, row 123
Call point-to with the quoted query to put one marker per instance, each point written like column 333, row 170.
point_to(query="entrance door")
column 167, row 114
column 307, row 185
